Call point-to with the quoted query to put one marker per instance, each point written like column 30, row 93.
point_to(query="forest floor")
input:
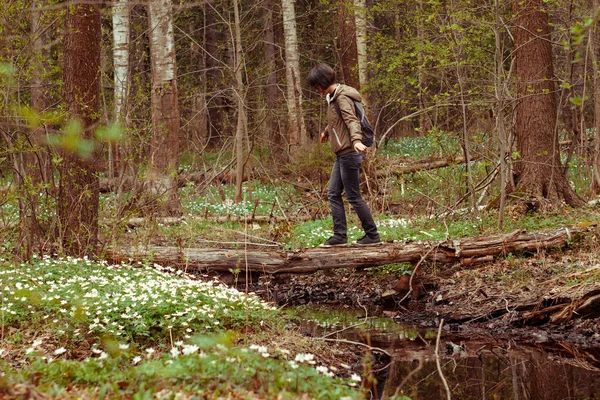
column 549, row 298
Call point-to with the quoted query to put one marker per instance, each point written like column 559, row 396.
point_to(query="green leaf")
column 111, row 134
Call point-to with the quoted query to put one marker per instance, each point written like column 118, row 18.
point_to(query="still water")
column 474, row 367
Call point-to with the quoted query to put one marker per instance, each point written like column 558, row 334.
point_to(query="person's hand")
column 358, row 146
column 324, row 138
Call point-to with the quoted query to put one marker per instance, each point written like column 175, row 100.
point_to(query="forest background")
column 197, row 113
column 141, row 92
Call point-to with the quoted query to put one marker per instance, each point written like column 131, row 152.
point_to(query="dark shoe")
column 368, row 241
column 335, row 241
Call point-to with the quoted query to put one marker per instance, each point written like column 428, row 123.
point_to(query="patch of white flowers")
column 115, row 299
column 308, row 359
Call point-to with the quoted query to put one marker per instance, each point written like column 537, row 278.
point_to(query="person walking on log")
column 344, row 133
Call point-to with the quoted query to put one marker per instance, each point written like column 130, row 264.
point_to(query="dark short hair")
column 322, row 76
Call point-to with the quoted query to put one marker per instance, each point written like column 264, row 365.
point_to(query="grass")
column 83, row 329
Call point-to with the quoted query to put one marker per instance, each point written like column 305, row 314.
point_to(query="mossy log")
column 311, row 260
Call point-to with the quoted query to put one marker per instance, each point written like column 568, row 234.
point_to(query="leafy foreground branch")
column 73, row 328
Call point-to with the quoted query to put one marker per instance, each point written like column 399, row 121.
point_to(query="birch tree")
column 78, row 197
column 297, row 129
column 120, row 19
column 360, row 21
column 164, row 144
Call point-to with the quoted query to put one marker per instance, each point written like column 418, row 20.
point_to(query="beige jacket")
column 343, row 132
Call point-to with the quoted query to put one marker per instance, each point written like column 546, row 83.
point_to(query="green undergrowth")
column 84, row 329
column 400, row 229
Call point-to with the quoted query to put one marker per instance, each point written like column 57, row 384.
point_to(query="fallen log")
column 169, row 221
column 421, row 165
column 183, row 179
column 315, row 259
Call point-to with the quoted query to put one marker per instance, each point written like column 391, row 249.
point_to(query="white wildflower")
column 189, row 349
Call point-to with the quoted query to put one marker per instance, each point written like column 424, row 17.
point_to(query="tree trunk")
column 240, row 134
column 424, row 122
column 465, row 251
column 78, row 190
column 164, row 144
column 348, row 46
column 38, row 162
column 501, row 100
column 360, row 20
column 213, row 81
column 120, row 19
column 595, row 49
column 273, row 132
column 539, row 172
column 296, row 128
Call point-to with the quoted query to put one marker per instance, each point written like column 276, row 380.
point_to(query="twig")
column 437, row 359
column 407, row 377
column 358, row 344
column 364, row 321
column 410, row 287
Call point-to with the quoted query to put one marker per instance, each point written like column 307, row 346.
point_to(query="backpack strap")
column 337, row 108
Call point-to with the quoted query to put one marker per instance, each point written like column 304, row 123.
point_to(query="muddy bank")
column 536, row 299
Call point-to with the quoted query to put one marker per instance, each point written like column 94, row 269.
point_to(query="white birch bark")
column 360, row 18
column 120, row 19
column 164, row 144
column 297, row 129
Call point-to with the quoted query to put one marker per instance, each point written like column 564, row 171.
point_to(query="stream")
column 475, row 364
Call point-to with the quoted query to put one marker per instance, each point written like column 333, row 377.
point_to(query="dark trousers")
column 344, row 177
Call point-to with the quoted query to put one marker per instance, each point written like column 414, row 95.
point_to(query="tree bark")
column 164, row 144
column 120, row 19
column 360, row 21
column 213, row 81
column 296, row 128
column 38, row 162
column 348, row 46
column 316, row 259
column 271, row 90
column 595, row 49
column 78, row 189
column 240, row 133
column 538, row 170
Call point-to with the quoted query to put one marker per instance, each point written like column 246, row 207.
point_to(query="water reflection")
column 480, row 370
column 475, row 368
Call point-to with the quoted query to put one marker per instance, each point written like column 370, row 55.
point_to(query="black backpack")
column 368, row 134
